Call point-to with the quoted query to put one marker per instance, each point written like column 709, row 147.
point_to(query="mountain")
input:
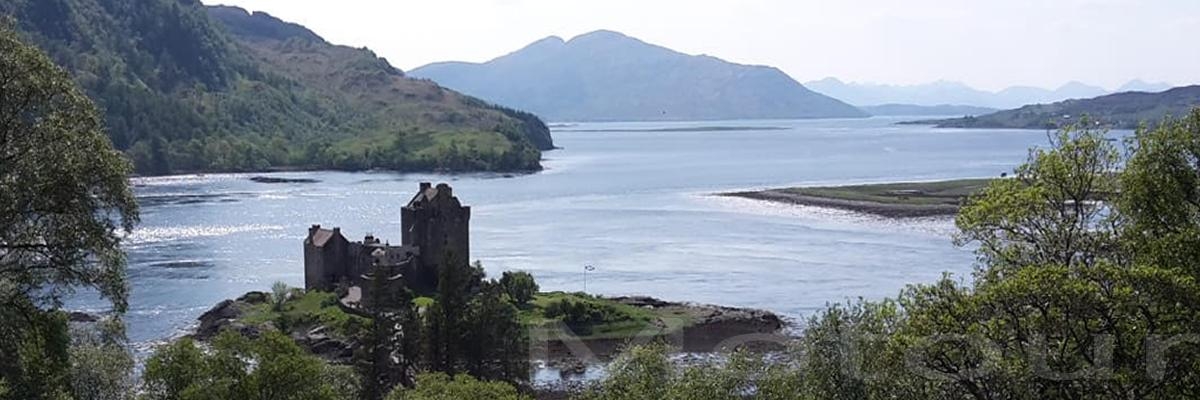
column 1121, row 110
column 606, row 75
column 914, row 110
column 1138, row 85
column 184, row 91
column 931, row 94
column 949, row 92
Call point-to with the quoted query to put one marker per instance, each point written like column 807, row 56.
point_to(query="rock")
column 318, row 342
column 76, row 316
column 254, row 298
column 643, row 301
column 272, row 179
column 217, row 318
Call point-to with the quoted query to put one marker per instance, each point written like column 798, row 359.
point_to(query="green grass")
column 621, row 320
column 911, row 193
column 305, row 310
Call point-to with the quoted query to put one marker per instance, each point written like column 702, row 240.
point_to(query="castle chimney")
column 312, row 230
column 444, row 188
column 425, row 186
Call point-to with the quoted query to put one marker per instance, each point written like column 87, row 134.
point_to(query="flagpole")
column 586, row 268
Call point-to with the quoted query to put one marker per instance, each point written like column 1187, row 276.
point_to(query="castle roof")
column 320, row 236
column 429, row 193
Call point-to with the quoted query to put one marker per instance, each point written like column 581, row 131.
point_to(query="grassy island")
column 316, row 319
column 896, row 200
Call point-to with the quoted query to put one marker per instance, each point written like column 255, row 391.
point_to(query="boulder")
column 217, row 318
column 254, row 298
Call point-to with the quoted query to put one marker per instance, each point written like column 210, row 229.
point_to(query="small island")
column 893, row 200
column 349, row 285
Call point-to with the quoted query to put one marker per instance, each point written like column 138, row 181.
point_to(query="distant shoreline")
column 684, row 129
column 892, row 200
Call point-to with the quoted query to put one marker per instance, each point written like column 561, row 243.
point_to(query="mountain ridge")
column 183, row 92
column 1126, row 110
column 606, row 75
column 953, row 92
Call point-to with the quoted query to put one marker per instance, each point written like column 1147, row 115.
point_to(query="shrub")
column 519, row 286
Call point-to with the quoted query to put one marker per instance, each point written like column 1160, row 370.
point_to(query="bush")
column 519, row 286
column 579, row 313
column 271, row 366
column 439, row 386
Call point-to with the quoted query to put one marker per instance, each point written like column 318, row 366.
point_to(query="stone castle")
column 433, row 226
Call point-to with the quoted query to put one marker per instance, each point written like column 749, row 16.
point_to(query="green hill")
column 1121, row 111
column 188, row 88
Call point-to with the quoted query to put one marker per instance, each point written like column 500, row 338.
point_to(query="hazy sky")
column 989, row 44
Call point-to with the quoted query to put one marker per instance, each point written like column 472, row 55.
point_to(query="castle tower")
column 437, row 223
column 325, row 253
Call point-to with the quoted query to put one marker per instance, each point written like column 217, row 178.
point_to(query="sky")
column 988, row 44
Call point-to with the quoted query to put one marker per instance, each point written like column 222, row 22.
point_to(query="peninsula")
column 893, row 200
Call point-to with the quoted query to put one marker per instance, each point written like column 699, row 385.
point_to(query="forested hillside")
column 1122, row 111
column 183, row 92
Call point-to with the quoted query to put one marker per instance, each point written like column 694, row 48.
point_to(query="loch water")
column 634, row 200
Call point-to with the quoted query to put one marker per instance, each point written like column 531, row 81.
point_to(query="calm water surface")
column 636, row 205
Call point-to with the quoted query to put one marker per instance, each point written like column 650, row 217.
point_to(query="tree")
column 272, row 366
column 64, row 200
column 101, row 365
column 1084, row 281
column 445, row 322
column 1160, row 195
column 279, row 295
column 439, row 386
column 496, row 345
column 388, row 353
column 520, row 286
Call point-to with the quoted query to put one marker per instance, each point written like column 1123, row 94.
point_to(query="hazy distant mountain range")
column 949, row 92
column 1124, row 110
column 915, row 110
column 606, row 75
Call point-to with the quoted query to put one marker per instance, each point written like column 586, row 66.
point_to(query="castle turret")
column 437, row 223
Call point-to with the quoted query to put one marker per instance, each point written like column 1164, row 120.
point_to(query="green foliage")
column 65, row 194
column 439, row 386
column 1083, row 283
column 519, row 286
column 497, row 344
column 101, row 365
column 181, row 94
column 269, row 367
column 388, row 353
column 279, row 295
column 1160, row 199
column 305, row 310
column 584, row 313
column 472, row 328
column 646, row 372
column 591, row 316
column 64, row 200
column 34, row 345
